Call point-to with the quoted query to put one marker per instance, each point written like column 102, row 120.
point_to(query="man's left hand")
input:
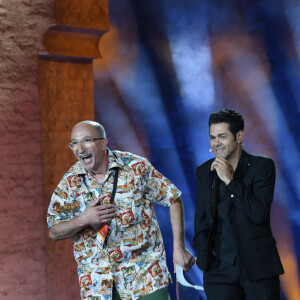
column 183, row 258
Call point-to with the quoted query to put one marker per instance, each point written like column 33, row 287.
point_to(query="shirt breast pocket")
column 131, row 212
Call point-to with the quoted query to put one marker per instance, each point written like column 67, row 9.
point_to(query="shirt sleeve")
column 158, row 188
column 61, row 207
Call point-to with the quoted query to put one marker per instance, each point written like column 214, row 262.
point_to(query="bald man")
column 105, row 204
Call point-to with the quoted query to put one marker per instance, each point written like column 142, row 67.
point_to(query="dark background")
column 168, row 64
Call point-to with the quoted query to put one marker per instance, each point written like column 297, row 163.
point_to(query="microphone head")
column 210, row 150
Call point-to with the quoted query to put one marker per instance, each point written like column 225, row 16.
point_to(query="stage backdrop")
column 168, row 64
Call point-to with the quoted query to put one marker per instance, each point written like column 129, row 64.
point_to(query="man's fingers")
column 105, row 216
column 95, row 202
column 106, row 209
column 184, row 259
column 106, row 212
column 106, row 206
column 213, row 166
column 111, row 214
column 221, row 158
column 188, row 265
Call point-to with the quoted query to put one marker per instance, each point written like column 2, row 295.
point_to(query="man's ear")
column 104, row 143
column 240, row 136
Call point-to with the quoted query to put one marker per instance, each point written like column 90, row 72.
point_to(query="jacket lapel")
column 243, row 165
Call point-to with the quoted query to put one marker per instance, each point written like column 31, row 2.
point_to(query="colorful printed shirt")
column 133, row 255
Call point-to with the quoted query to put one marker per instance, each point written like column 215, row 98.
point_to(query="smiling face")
column 223, row 142
column 92, row 155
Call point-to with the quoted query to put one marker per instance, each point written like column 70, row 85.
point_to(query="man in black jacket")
column 233, row 237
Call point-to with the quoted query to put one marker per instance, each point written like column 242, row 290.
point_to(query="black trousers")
column 225, row 282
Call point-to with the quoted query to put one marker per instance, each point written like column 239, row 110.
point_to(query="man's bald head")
column 100, row 131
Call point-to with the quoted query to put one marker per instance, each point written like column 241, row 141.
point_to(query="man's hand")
column 223, row 168
column 96, row 214
column 183, row 258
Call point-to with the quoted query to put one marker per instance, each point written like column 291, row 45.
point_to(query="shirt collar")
column 113, row 160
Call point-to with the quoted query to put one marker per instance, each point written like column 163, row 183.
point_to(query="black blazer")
column 250, row 197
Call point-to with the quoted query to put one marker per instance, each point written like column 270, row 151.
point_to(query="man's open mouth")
column 86, row 157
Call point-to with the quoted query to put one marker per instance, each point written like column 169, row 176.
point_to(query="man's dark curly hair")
column 229, row 116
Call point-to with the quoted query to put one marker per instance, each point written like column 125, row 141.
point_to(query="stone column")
column 66, row 97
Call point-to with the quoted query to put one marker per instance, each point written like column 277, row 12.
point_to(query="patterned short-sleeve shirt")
column 133, row 255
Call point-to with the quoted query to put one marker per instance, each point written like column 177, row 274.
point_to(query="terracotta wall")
column 22, row 235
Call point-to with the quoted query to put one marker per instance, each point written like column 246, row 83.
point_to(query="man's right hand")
column 96, row 214
column 223, row 168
